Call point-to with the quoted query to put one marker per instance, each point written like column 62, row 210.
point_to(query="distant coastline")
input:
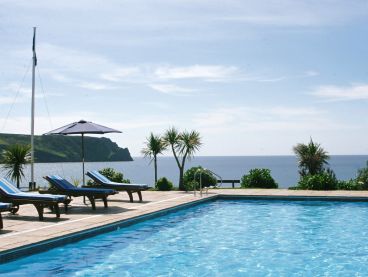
column 58, row 148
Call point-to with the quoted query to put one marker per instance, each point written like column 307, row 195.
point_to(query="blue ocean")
column 283, row 168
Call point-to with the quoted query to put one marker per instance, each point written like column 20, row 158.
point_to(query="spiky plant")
column 183, row 145
column 311, row 158
column 14, row 159
column 154, row 146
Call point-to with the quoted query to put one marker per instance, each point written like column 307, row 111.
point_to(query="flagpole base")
column 32, row 186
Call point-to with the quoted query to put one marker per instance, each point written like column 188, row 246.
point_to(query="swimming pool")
column 221, row 238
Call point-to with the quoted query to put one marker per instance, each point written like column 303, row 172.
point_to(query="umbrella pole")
column 84, row 198
column 83, row 157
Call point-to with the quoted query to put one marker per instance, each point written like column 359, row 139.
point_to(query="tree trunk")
column 181, row 173
column 155, row 165
column 181, row 178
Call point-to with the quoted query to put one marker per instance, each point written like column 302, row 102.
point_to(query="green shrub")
column 258, row 178
column 362, row 178
column 325, row 180
column 349, row 185
column 207, row 178
column 164, row 184
column 111, row 174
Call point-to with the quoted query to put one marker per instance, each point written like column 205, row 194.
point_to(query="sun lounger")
column 3, row 208
column 64, row 187
column 104, row 182
column 9, row 193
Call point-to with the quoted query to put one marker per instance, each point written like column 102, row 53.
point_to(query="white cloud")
column 336, row 93
column 270, row 80
column 168, row 13
column 311, row 73
column 13, row 87
column 264, row 119
column 43, row 124
column 206, row 72
column 293, row 13
column 13, row 93
column 121, row 73
column 95, row 86
column 172, row 89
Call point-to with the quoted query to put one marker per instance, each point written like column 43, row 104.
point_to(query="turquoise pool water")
column 221, row 238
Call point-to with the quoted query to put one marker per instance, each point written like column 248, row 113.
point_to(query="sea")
column 284, row 169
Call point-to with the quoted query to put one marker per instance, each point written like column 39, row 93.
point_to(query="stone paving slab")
column 24, row 228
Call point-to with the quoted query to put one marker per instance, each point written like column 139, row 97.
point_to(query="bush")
column 164, row 184
column 349, row 185
column 111, row 174
column 362, row 178
column 325, row 180
column 207, row 178
column 258, row 178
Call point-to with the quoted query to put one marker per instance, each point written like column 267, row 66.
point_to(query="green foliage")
column 258, row 178
column 311, row 158
column 76, row 182
column 183, row 145
column 362, row 177
column 111, row 174
column 325, row 180
column 57, row 148
column 207, row 178
column 349, row 185
column 154, row 146
column 164, row 184
column 14, row 159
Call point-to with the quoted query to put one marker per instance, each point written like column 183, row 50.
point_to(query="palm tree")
column 183, row 145
column 14, row 158
column 154, row 146
column 311, row 158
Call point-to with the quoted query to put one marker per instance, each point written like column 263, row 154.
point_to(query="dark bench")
column 232, row 182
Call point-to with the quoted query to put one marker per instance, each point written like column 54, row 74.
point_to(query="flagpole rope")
column 44, row 99
column 48, row 111
column 16, row 97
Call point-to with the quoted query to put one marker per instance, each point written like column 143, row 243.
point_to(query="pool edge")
column 296, row 197
column 20, row 252
column 30, row 249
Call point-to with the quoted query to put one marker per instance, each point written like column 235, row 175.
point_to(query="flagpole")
column 33, row 185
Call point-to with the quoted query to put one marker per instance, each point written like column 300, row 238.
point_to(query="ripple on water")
column 221, row 238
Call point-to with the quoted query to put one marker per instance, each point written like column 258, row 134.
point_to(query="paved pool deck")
column 24, row 229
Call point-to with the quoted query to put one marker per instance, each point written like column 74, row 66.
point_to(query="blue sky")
column 253, row 77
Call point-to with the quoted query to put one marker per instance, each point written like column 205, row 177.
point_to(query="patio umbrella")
column 82, row 127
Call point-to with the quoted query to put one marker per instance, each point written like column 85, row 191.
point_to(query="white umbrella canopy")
column 82, row 127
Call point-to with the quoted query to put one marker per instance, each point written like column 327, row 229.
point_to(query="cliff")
column 59, row 148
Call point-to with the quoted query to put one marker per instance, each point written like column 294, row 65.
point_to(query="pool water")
column 221, row 238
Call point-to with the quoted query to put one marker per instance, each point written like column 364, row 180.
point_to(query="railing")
column 200, row 179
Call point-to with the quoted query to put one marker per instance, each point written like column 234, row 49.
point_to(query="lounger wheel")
column 15, row 209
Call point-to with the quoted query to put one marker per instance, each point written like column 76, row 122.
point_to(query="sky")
column 253, row 77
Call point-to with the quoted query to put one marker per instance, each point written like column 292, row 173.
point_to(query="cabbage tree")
column 183, row 145
column 154, row 146
column 311, row 158
column 14, row 159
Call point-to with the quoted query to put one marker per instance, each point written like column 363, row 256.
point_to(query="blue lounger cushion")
column 10, row 191
column 11, row 194
column 5, row 206
column 102, row 180
column 64, row 185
